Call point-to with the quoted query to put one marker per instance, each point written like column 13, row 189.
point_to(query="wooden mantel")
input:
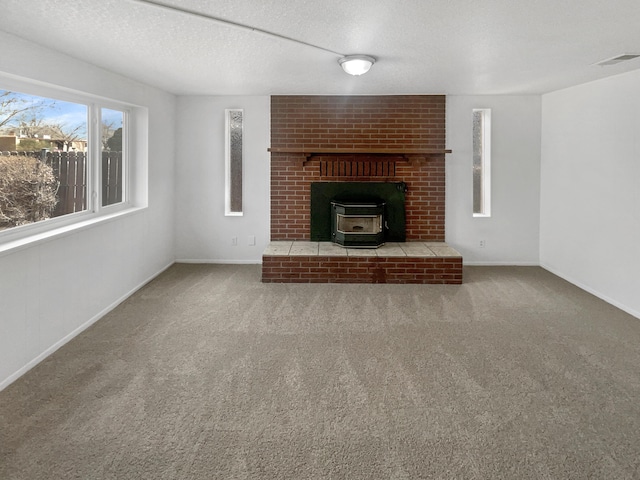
column 403, row 152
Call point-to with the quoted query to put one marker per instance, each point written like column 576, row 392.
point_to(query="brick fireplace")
column 358, row 139
column 392, row 123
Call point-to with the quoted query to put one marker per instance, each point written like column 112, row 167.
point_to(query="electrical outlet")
column 251, row 240
column 234, row 241
column 481, row 243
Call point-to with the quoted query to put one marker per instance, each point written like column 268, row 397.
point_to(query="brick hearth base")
column 325, row 262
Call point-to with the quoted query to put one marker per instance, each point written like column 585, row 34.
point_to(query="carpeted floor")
column 206, row 373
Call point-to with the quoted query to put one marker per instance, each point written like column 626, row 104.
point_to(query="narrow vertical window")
column 482, row 162
column 233, row 162
column 113, row 156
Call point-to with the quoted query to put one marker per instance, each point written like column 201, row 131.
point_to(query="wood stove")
column 357, row 224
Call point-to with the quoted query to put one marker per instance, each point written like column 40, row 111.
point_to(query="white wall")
column 203, row 232
column 511, row 234
column 590, row 208
column 51, row 290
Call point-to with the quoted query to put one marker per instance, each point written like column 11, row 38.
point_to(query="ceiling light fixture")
column 356, row 64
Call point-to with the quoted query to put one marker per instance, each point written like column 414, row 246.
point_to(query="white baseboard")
column 600, row 295
column 225, row 261
column 21, row 371
column 499, row 264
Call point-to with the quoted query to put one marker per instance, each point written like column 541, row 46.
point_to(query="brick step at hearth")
column 326, row 262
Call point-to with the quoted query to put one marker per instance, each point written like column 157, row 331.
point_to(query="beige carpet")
column 208, row 374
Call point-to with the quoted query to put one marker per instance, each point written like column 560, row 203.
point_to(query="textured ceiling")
column 436, row 46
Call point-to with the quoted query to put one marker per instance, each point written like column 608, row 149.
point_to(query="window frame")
column 135, row 163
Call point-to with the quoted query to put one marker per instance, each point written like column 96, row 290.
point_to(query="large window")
column 64, row 158
column 43, row 164
column 482, row 162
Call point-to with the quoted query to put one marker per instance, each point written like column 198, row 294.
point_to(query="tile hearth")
column 326, row 262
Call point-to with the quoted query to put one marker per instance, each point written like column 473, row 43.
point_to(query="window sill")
column 12, row 246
